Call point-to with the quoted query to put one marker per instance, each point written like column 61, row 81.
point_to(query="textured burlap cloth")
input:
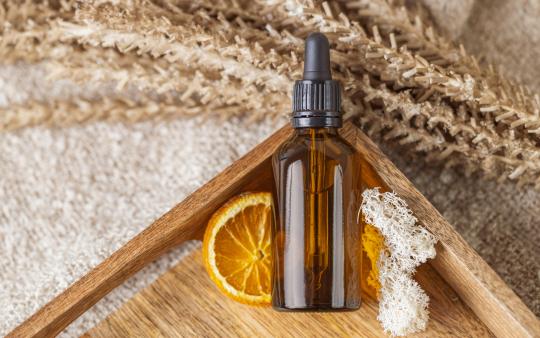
column 69, row 197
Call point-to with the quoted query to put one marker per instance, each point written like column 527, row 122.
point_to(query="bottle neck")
column 316, row 131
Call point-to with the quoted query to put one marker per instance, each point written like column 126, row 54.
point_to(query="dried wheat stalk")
column 463, row 82
column 61, row 112
column 408, row 95
column 24, row 24
column 498, row 98
column 191, row 86
column 21, row 15
column 194, row 94
column 217, row 93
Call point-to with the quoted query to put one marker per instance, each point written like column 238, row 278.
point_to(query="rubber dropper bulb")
column 317, row 58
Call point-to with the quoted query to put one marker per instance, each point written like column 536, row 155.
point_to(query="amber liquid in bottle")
column 316, row 236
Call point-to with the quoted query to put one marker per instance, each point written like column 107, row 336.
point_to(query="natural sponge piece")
column 403, row 303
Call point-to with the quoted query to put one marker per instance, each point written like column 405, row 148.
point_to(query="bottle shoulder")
column 333, row 147
column 328, row 158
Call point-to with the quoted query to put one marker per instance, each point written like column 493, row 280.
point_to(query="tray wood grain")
column 459, row 265
column 184, row 303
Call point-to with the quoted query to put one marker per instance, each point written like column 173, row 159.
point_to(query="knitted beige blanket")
column 69, row 197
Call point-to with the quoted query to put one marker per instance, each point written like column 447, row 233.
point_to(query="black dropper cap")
column 316, row 98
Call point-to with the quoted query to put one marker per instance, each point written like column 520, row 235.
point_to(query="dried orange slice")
column 236, row 248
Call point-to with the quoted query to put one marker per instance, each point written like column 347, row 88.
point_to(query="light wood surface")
column 474, row 281
column 184, row 303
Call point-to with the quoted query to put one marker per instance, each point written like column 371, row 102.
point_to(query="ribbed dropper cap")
column 316, row 98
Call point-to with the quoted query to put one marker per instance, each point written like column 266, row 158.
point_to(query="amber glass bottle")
column 316, row 237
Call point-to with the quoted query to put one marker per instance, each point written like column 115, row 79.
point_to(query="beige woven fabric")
column 70, row 197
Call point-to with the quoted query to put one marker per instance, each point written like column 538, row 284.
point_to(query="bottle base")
column 318, row 308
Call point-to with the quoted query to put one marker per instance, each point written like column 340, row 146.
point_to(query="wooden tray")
column 184, row 302
column 172, row 306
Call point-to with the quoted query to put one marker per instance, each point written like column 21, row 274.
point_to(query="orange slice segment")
column 236, row 248
column 372, row 245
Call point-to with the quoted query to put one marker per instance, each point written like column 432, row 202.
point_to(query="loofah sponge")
column 403, row 303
